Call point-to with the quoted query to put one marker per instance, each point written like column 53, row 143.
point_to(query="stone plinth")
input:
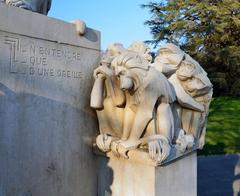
column 140, row 176
column 46, row 124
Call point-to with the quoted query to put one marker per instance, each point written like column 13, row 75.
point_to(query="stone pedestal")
column 139, row 176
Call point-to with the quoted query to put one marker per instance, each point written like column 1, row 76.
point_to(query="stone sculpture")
column 192, row 87
column 159, row 106
column 40, row 6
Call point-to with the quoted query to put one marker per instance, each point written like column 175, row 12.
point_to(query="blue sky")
column 118, row 20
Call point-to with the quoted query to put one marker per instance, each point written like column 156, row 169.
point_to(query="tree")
column 209, row 30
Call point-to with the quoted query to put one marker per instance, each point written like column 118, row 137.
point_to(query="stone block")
column 142, row 177
column 46, row 125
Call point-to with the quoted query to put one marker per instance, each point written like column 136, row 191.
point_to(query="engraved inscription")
column 35, row 58
column 14, row 44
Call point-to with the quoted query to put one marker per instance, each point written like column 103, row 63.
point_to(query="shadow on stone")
column 44, row 147
column 104, row 177
column 91, row 35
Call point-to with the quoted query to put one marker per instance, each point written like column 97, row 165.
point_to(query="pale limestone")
column 156, row 106
column 118, row 176
column 192, row 86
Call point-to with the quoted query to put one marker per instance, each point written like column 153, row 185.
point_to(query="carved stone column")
column 141, row 176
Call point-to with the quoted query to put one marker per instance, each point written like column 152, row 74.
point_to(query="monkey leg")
column 159, row 146
column 192, row 122
column 110, row 119
column 110, row 124
column 151, row 129
column 165, row 121
column 127, row 123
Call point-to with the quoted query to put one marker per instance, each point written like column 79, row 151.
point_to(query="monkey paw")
column 104, row 142
column 159, row 149
column 121, row 147
column 184, row 141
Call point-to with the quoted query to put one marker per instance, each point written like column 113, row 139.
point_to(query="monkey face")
column 126, row 83
column 125, row 78
column 166, row 56
column 186, row 70
column 194, row 84
column 40, row 6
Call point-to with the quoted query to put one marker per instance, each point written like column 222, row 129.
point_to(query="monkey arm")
column 115, row 92
column 127, row 122
column 154, row 88
column 183, row 98
column 144, row 114
column 142, row 118
column 165, row 121
column 202, row 138
column 97, row 94
column 166, row 69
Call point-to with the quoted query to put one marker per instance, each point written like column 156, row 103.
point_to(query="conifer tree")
column 209, row 30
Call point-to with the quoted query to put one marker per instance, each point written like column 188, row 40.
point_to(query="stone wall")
column 46, row 125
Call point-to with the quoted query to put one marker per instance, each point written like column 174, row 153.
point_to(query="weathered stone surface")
column 118, row 176
column 46, row 125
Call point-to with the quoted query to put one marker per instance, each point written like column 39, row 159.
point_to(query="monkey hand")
column 184, row 141
column 103, row 142
column 159, row 149
column 104, row 71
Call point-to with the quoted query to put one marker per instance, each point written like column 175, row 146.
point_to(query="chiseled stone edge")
column 141, row 156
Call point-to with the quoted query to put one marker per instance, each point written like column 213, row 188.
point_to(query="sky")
column 119, row 21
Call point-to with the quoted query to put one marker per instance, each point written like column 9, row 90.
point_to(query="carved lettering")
column 35, row 61
column 51, row 72
column 53, row 52
column 43, row 60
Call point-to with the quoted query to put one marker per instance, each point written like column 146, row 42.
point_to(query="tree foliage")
column 223, row 127
column 209, row 30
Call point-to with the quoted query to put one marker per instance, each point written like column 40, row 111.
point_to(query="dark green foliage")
column 209, row 30
column 223, row 129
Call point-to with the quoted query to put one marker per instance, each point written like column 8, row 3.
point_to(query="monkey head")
column 130, row 69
